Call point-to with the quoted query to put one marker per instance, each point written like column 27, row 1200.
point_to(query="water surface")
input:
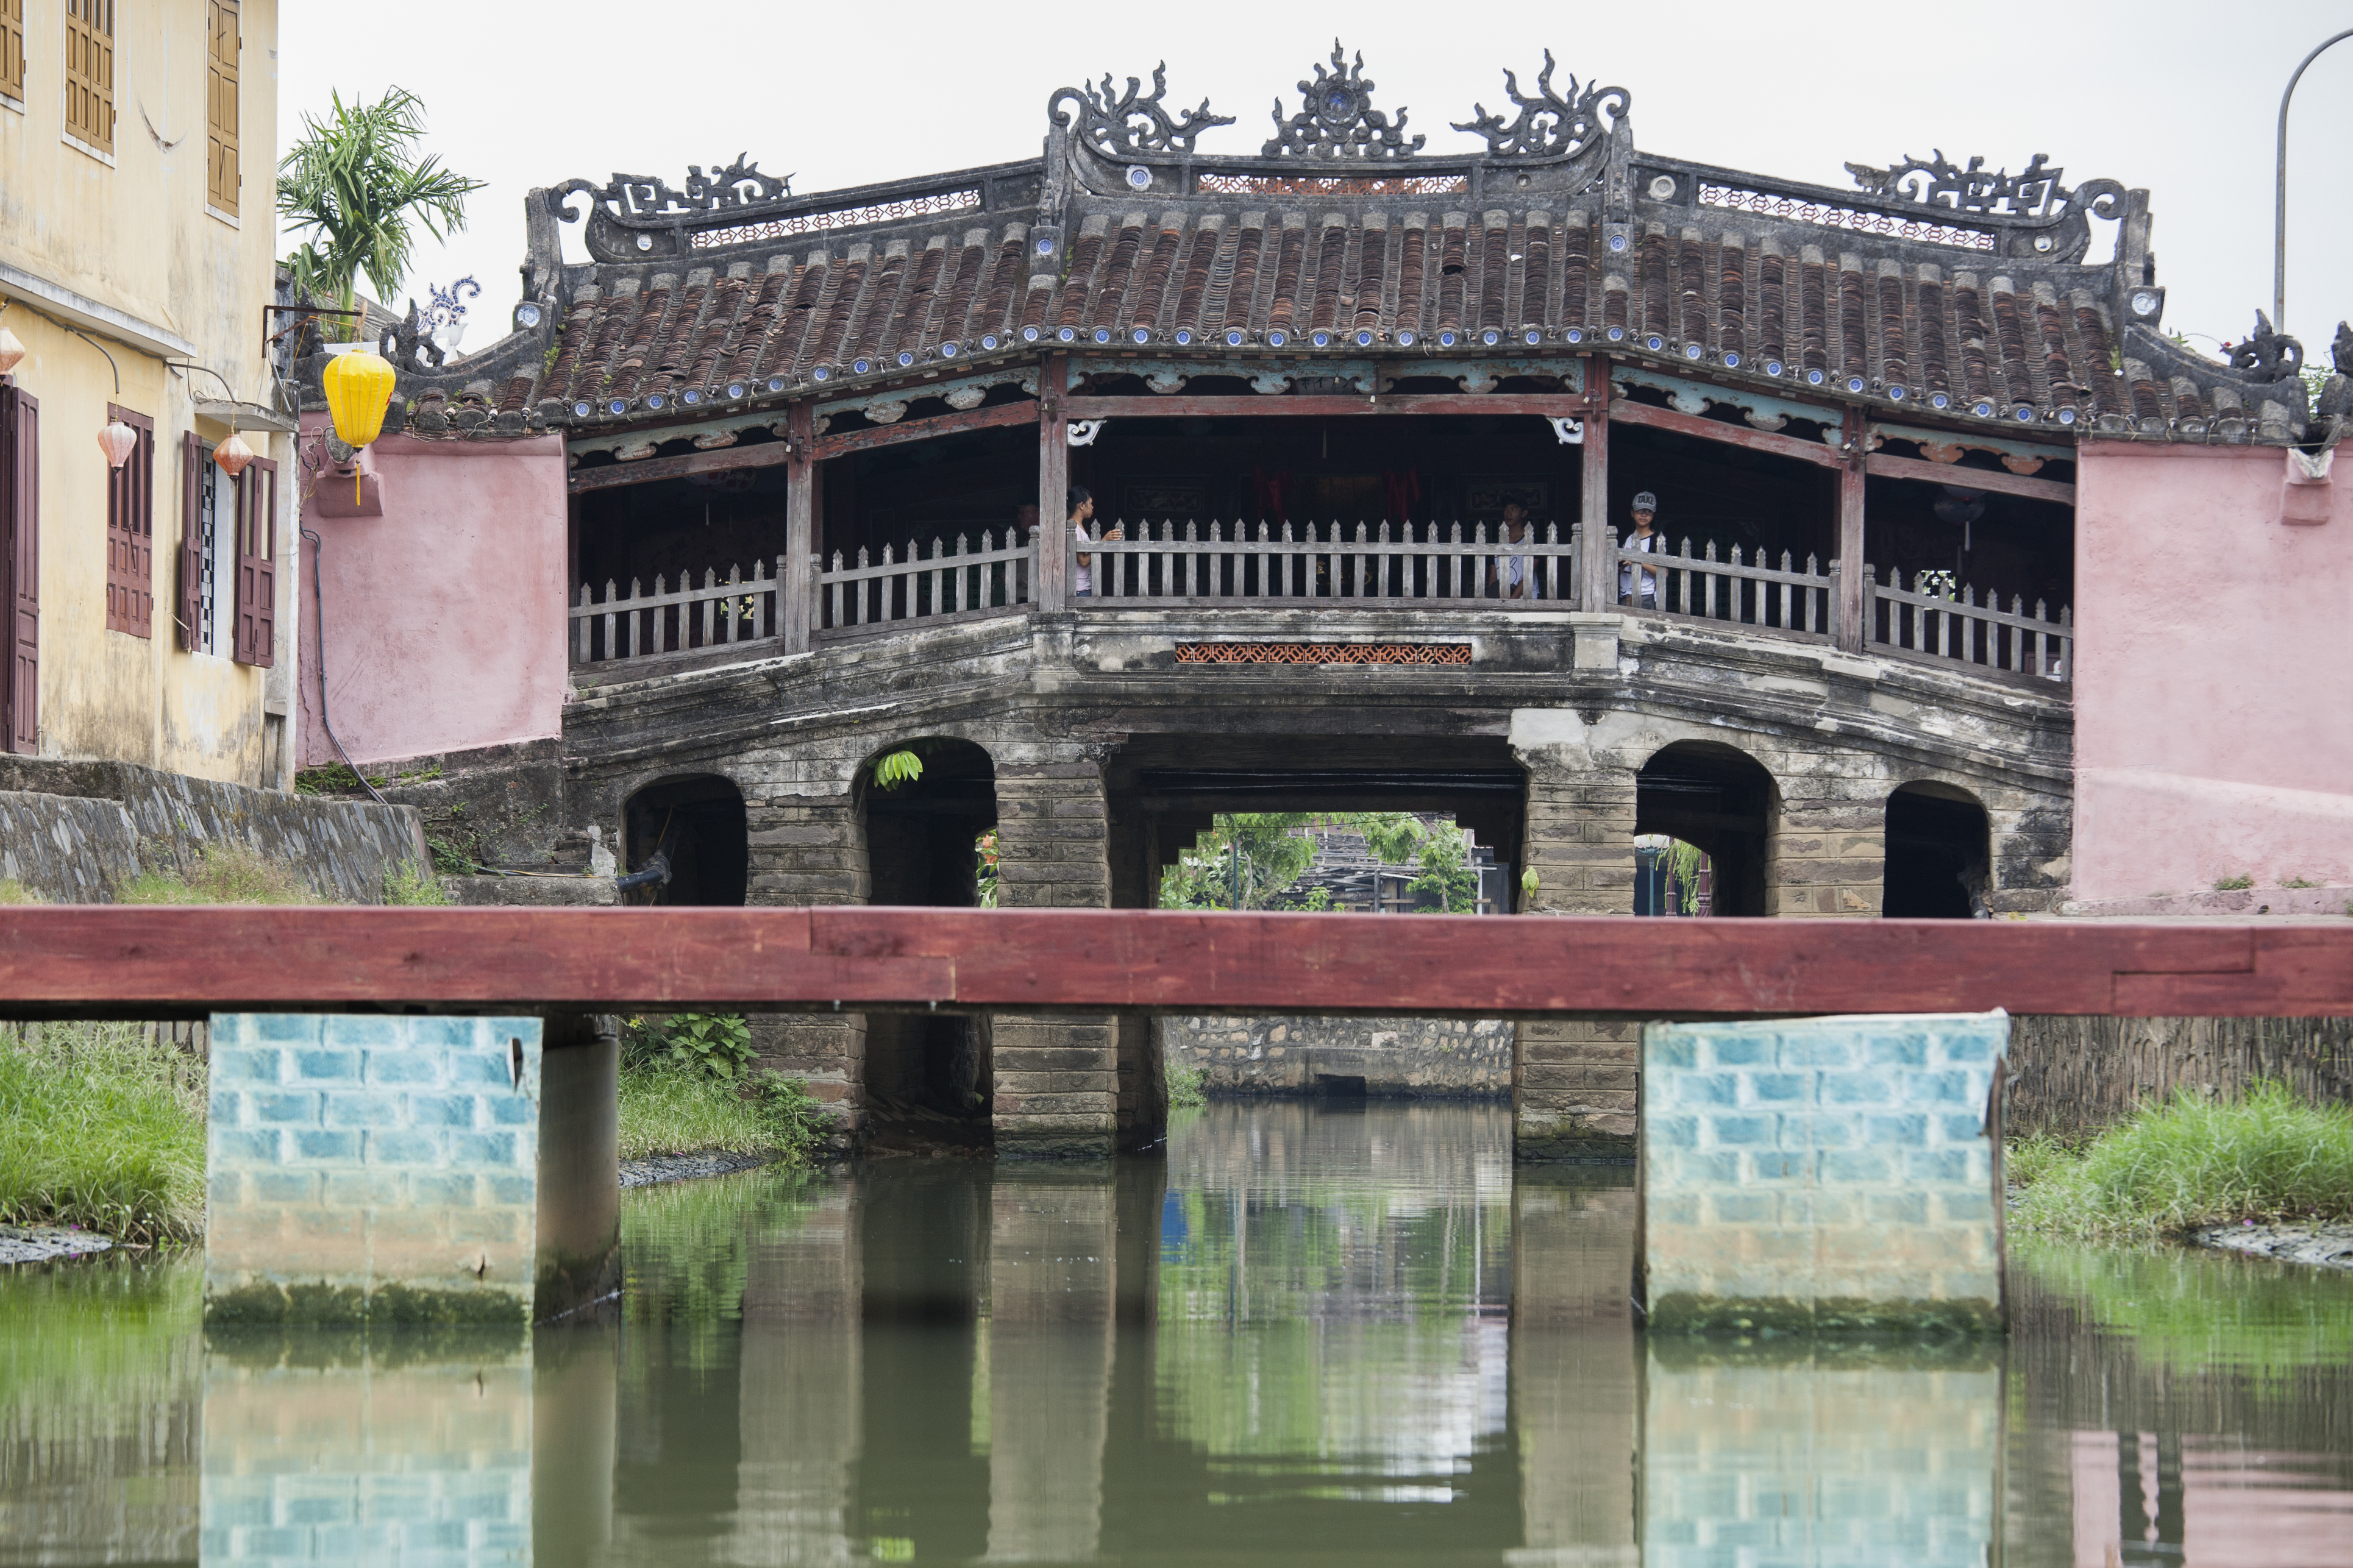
column 1304, row 1335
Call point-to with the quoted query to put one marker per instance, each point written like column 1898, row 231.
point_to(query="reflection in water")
column 1305, row 1335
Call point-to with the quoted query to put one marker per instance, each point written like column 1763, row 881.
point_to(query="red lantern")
column 118, row 441
column 233, row 455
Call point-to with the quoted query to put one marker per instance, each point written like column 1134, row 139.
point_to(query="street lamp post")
column 2279, row 207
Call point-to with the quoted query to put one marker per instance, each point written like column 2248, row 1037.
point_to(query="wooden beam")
column 1889, row 467
column 645, row 471
column 140, row 960
column 990, row 418
column 1598, row 590
column 1182, row 406
column 1051, row 591
column 1848, row 615
column 800, row 531
column 1626, row 412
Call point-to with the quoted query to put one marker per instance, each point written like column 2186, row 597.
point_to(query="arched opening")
column 929, row 1073
column 1938, row 854
column 1721, row 802
column 697, row 826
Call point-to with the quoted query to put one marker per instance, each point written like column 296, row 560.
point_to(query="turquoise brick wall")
column 1821, row 1173
column 364, row 1166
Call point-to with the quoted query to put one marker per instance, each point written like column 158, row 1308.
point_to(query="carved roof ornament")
column 2033, row 191
column 2340, row 352
column 1549, row 126
column 1338, row 119
column 2266, row 354
column 740, row 185
column 1130, row 123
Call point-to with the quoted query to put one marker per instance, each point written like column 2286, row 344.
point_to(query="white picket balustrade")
column 912, row 585
column 639, row 625
column 1217, row 563
column 1753, row 593
column 1959, row 630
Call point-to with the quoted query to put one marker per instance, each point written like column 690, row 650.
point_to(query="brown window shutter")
column 222, row 174
column 257, row 563
column 12, row 49
column 89, row 72
column 20, row 593
column 130, row 529
column 190, row 617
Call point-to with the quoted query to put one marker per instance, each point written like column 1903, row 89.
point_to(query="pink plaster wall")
column 2213, row 674
column 445, row 617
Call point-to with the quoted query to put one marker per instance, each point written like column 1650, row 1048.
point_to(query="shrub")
column 2189, row 1162
column 1184, row 1085
column 101, row 1126
column 712, row 1045
column 410, row 883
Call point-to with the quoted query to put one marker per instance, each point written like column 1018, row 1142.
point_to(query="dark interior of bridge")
column 1937, row 846
column 699, row 824
column 1719, row 800
column 1994, row 544
column 705, row 522
column 1710, row 492
column 920, row 850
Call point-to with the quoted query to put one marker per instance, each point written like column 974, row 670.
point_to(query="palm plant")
column 354, row 183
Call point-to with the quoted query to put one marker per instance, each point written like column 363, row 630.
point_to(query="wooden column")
column 1600, row 568
column 1052, row 589
column 797, row 611
column 1851, row 603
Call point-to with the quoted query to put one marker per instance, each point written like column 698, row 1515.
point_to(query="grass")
column 2234, row 884
column 410, row 883
column 223, row 874
column 669, row 1111
column 13, row 892
column 2189, row 1163
column 101, row 1128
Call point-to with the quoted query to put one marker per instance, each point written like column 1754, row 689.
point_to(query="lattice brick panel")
column 1323, row 653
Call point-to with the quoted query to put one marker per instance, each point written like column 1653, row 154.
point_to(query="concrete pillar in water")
column 1822, row 1174
column 811, row 849
column 1057, row 1077
column 579, row 1164
column 1052, row 1287
column 1576, row 1086
column 372, row 1168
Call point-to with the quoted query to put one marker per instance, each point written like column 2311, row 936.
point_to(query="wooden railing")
column 640, row 625
column 1226, row 563
column 916, row 586
column 1787, row 597
column 1959, row 630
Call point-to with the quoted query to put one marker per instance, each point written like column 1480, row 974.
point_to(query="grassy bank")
column 102, row 1128
column 2187, row 1164
column 691, row 1084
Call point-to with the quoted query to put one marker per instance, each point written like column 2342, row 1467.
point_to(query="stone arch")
column 698, row 824
column 1720, row 798
column 1939, row 846
column 920, row 840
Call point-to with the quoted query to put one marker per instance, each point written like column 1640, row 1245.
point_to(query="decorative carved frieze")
column 1549, row 126
column 2270, row 355
column 1338, row 119
column 2034, row 192
column 1130, row 123
column 740, row 185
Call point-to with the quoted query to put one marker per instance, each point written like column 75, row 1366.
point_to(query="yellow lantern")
column 359, row 389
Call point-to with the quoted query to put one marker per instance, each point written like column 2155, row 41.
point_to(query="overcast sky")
column 2178, row 98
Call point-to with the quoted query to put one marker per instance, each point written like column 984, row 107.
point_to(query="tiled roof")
column 1973, row 304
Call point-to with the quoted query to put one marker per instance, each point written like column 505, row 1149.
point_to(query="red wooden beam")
column 1182, row 406
column 1888, row 466
column 645, row 471
column 146, row 962
column 989, row 418
column 1623, row 412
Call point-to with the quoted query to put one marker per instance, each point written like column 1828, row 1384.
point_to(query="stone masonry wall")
column 1289, row 1055
column 810, row 849
column 1057, row 1077
column 372, row 1167
column 1821, row 1173
column 74, row 832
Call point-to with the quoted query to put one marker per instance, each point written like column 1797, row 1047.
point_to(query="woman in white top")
column 1082, row 511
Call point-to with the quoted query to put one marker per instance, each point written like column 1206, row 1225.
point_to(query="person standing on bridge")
column 1646, row 506
column 1082, row 512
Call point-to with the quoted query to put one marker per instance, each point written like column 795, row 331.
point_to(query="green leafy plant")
column 1446, row 873
column 792, row 1118
column 1184, row 1085
column 984, row 874
column 895, row 768
column 711, row 1045
column 222, row 874
column 2300, row 883
column 354, row 183
column 2234, row 884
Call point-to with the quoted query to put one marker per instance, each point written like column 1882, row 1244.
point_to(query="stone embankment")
column 1431, row 1058
column 2323, row 1246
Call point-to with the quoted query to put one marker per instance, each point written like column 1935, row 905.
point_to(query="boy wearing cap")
column 1646, row 506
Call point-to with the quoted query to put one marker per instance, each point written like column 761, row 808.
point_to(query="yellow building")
column 149, row 605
